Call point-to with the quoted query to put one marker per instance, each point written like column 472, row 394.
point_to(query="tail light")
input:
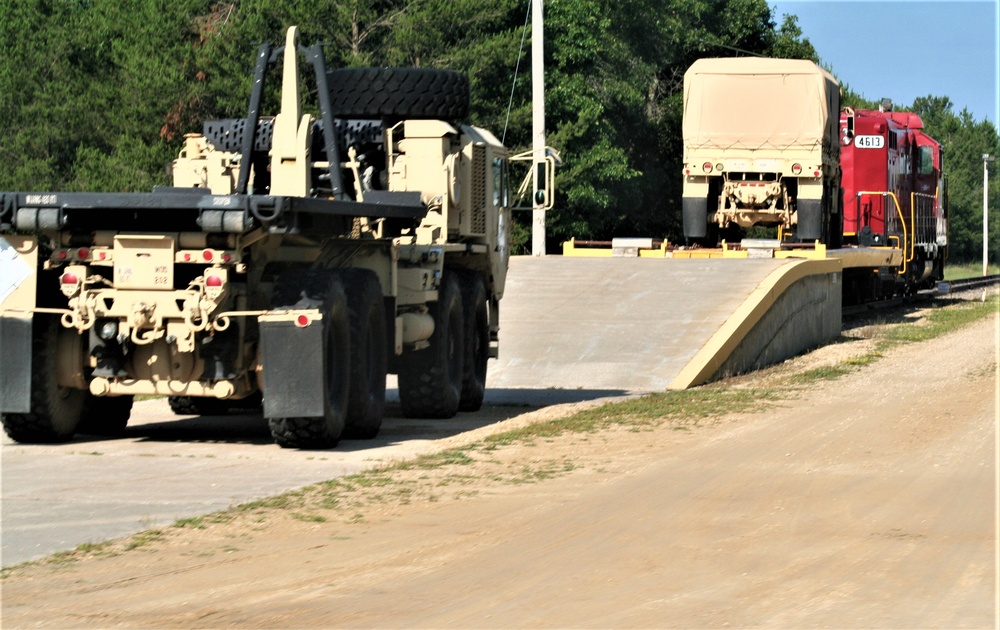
column 71, row 281
column 216, row 279
column 796, row 169
column 707, row 167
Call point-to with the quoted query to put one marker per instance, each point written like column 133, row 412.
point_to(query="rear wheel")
column 55, row 410
column 477, row 341
column 366, row 402
column 199, row 406
column 105, row 415
column 302, row 290
column 430, row 380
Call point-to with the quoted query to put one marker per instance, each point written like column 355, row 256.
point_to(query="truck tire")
column 55, row 410
column 105, row 415
column 398, row 93
column 297, row 290
column 477, row 341
column 430, row 380
column 182, row 405
column 199, row 406
column 366, row 401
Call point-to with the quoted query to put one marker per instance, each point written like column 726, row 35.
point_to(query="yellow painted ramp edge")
column 713, row 354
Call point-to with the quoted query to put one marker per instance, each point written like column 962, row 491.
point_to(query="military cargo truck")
column 761, row 148
column 295, row 262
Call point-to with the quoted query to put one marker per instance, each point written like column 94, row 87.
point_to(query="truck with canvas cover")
column 295, row 261
column 761, row 148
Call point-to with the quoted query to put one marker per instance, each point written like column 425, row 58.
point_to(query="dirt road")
column 866, row 501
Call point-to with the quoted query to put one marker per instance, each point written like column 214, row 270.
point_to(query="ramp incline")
column 629, row 325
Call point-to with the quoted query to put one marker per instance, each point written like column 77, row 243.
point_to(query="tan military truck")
column 294, row 263
column 761, row 148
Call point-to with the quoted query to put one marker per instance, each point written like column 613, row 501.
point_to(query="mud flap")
column 293, row 371
column 695, row 211
column 15, row 368
column 810, row 226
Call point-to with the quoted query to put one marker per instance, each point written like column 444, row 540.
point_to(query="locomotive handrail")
column 907, row 256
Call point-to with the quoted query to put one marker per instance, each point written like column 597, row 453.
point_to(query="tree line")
column 97, row 94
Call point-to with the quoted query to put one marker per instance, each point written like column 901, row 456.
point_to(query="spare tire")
column 398, row 93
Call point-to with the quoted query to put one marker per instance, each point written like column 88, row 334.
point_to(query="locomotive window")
column 926, row 165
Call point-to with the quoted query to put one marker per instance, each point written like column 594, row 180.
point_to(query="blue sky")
column 902, row 49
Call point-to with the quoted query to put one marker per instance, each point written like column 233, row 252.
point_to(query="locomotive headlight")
column 108, row 330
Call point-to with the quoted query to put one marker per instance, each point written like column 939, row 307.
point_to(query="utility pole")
column 987, row 158
column 537, row 130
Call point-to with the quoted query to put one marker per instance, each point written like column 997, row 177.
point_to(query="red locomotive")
column 892, row 189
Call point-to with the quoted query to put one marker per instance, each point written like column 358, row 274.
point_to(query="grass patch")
column 143, row 538
column 452, row 457
column 943, row 320
column 651, row 410
column 958, row 271
column 308, row 518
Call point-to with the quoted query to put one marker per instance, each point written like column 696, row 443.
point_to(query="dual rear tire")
column 354, row 356
column 449, row 375
column 57, row 412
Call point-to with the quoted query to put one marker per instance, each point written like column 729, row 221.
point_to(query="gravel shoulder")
column 868, row 500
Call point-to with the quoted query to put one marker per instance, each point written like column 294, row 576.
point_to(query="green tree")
column 99, row 95
column 964, row 141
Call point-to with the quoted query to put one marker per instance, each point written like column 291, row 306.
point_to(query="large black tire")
column 182, row 405
column 477, row 341
column 199, row 406
column 430, row 380
column 366, row 402
column 105, row 415
column 299, row 289
column 398, row 93
column 55, row 411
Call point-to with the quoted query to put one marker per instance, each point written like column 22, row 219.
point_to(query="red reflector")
column 207, row 254
column 226, row 258
column 187, row 257
column 62, row 254
column 213, row 281
column 302, row 320
column 69, row 278
column 83, row 253
column 815, row 173
column 103, row 255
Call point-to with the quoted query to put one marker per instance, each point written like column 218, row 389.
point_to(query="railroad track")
column 943, row 288
column 952, row 286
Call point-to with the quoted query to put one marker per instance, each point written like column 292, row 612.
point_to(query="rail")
column 950, row 286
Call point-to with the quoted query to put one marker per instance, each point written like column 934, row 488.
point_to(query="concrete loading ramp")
column 627, row 325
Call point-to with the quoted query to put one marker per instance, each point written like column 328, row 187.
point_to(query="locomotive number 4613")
column 869, row 142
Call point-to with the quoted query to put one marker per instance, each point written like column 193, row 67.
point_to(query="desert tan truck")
column 761, row 148
column 295, row 262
